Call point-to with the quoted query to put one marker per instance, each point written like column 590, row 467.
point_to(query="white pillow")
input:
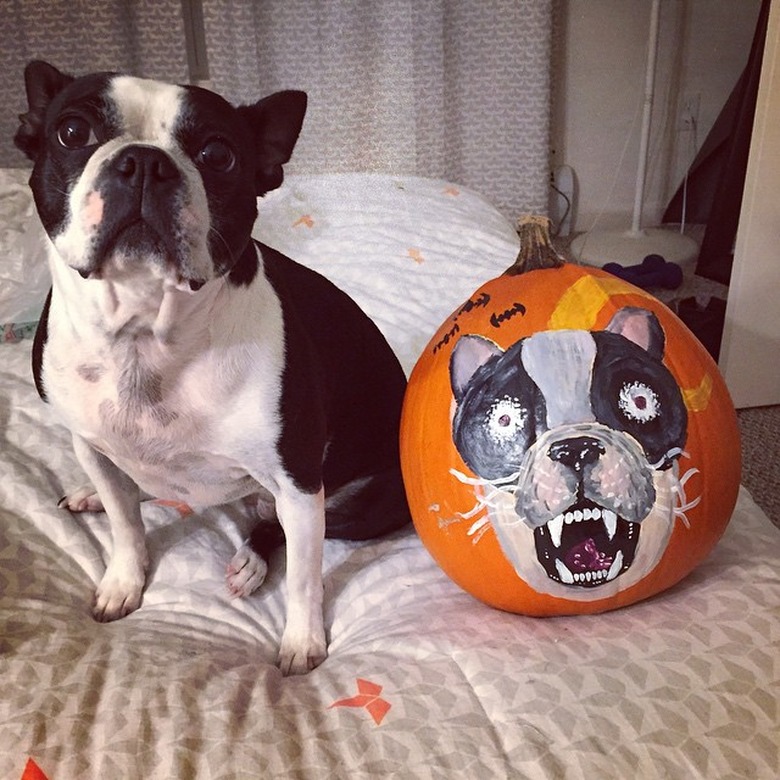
column 24, row 271
column 409, row 250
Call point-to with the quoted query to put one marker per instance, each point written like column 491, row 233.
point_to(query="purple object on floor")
column 653, row 271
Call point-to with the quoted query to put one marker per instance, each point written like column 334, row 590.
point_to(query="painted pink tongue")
column 585, row 556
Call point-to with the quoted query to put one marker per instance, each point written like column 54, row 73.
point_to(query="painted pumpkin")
column 568, row 446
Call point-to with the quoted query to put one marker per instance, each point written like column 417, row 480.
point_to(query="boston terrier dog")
column 575, row 436
column 189, row 362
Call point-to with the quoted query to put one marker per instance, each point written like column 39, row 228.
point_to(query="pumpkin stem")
column 536, row 248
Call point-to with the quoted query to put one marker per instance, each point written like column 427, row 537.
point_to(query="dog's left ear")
column 43, row 82
column 640, row 326
column 276, row 122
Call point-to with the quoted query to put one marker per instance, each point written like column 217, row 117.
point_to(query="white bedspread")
column 422, row 681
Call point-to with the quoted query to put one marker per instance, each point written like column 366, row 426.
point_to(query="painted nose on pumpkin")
column 576, row 453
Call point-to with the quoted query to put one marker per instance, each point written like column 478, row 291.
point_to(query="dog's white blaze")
column 148, row 109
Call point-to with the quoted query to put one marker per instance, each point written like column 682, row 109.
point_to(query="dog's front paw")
column 300, row 651
column 246, row 572
column 84, row 499
column 119, row 592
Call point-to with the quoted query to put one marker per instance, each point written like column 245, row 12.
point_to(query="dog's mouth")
column 586, row 546
column 136, row 245
column 141, row 239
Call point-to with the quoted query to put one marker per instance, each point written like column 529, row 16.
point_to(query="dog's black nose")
column 137, row 166
column 576, row 452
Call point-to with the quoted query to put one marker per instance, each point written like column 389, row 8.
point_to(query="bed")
column 422, row 681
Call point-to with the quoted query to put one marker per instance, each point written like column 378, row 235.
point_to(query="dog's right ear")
column 43, row 82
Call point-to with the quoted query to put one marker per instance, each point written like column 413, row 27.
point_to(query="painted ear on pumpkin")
column 640, row 326
column 469, row 354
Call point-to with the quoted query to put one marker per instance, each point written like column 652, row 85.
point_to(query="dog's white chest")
column 161, row 436
column 158, row 415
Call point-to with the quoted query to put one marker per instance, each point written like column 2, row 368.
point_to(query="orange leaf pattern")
column 32, row 771
column 367, row 698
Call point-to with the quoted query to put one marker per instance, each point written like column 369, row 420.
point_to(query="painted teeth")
column 581, row 578
column 610, row 522
column 607, row 516
column 617, row 564
column 555, row 529
column 567, row 578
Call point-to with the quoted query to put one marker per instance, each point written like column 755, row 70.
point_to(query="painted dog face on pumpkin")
column 575, row 437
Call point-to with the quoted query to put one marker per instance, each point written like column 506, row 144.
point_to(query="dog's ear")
column 640, row 326
column 43, row 82
column 469, row 354
column 276, row 122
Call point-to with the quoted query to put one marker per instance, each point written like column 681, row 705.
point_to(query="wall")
column 599, row 55
column 751, row 337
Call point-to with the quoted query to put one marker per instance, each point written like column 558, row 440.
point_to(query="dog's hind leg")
column 247, row 570
column 86, row 499
column 83, row 499
column 367, row 507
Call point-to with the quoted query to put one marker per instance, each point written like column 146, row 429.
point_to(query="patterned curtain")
column 455, row 89
column 144, row 37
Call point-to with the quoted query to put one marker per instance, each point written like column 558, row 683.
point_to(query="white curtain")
column 143, row 37
column 455, row 89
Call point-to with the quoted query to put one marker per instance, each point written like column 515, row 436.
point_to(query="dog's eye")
column 218, row 156
column 639, row 402
column 75, row 132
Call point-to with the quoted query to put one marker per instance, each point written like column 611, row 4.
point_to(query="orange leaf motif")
column 367, row 698
column 184, row 510
column 305, row 220
column 32, row 771
column 416, row 255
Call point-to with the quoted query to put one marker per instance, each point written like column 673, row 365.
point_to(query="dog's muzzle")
column 137, row 213
column 142, row 191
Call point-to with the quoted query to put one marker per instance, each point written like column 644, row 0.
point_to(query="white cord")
column 693, row 144
column 616, row 174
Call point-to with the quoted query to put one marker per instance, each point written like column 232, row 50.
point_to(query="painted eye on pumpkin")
column 505, row 418
column 639, row 402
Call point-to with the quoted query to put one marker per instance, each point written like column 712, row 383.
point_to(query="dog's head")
column 575, row 435
column 136, row 176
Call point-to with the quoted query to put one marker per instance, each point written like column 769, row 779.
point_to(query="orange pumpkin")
column 567, row 445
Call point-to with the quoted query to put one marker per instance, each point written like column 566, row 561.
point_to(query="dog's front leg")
column 303, row 644
column 119, row 592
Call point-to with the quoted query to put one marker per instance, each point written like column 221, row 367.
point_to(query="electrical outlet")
column 689, row 111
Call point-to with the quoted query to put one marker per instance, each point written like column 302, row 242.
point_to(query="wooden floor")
column 760, row 428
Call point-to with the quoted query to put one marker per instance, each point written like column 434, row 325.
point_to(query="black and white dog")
column 189, row 362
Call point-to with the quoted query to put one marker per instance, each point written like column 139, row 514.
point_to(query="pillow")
column 24, row 272
column 407, row 249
